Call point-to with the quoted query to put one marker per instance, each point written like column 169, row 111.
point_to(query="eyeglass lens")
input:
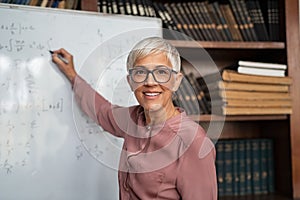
column 160, row 74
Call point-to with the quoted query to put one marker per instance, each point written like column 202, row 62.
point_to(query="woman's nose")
column 150, row 80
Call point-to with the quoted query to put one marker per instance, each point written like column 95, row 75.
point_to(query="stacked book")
column 254, row 88
column 245, row 167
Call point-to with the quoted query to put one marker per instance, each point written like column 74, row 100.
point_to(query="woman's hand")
column 67, row 68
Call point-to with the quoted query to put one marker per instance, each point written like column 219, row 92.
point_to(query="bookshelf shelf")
column 227, row 45
column 208, row 118
column 255, row 197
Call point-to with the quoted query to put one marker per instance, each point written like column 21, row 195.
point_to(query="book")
column 255, row 165
column 223, row 24
column 248, row 20
column 197, row 18
column 177, row 22
column 273, row 19
column 203, row 102
column 261, row 71
column 242, row 166
column 237, row 14
column 246, row 95
column 231, row 75
column 258, row 20
column 225, row 85
column 235, row 169
column 254, row 111
column 264, row 173
column 220, row 167
column 263, row 103
column 201, row 20
column 228, row 167
column 270, row 161
column 262, row 65
column 188, row 20
column 232, row 24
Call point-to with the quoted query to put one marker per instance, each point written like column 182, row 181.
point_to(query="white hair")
column 154, row 45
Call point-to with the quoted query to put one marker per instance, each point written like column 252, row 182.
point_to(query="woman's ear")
column 178, row 79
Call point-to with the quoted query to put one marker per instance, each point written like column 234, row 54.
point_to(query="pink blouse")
column 171, row 160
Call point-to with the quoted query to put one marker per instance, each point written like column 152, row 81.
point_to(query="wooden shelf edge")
column 227, row 45
column 208, row 118
column 254, row 197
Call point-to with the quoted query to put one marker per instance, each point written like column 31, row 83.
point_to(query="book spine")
column 197, row 20
column 239, row 20
column 242, row 166
column 257, row 18
column 209, row 23
column 177, row 22
column 223, row 22
column 270, row 160
column 235, row 168
column 264, row 166
column 204, row 108
column 220, row 167
column 201, row 22
column 190, row 15
column 248, row 156
column 232, row 24
column 256, row 172
column 228, row 162
column 248, row 21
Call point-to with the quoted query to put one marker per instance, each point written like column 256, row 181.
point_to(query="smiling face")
column 153, row 96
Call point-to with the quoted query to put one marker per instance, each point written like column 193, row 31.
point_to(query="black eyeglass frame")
column 151, row 71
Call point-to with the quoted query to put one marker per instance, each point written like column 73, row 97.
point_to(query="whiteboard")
column 48, row 148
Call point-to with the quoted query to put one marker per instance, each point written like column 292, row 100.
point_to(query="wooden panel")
column 227, row 45
column 293, row 51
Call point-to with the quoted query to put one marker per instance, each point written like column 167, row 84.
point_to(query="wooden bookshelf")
column 257, row 197
column 227, row 45
column 216, row 118
column 284, row 129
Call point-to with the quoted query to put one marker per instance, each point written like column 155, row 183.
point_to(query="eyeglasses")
column 161, row 74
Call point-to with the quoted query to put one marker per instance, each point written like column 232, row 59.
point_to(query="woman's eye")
column 140, row 72
column 162, row 71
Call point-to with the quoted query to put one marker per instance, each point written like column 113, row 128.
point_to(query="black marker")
column 60, row 57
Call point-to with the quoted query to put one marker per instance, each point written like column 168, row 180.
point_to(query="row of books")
column 64, row 4
column 247, row 92
column 224, row 20
column 246, row 88
column 209, row 20
column 245, row 166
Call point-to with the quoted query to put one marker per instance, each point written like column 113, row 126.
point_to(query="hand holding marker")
column 60, row 57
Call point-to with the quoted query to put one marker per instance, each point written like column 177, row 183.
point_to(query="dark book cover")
column 248, row 156
column 201, row 21
column 222, row 21
column 228, row 167
column 264, row 165
column 256, row 164
column 248, row 20
column 242, row 166
column 235, row 168
column 232, row 24
column 270, row 160
column 238, row 18
column 258, row 20
column 220, row 167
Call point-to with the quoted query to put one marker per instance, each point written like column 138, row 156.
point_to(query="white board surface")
column 45, row 153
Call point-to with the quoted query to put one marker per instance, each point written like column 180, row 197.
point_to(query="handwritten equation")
column 16, row 28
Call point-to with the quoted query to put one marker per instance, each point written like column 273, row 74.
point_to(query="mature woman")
column 165, row 154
